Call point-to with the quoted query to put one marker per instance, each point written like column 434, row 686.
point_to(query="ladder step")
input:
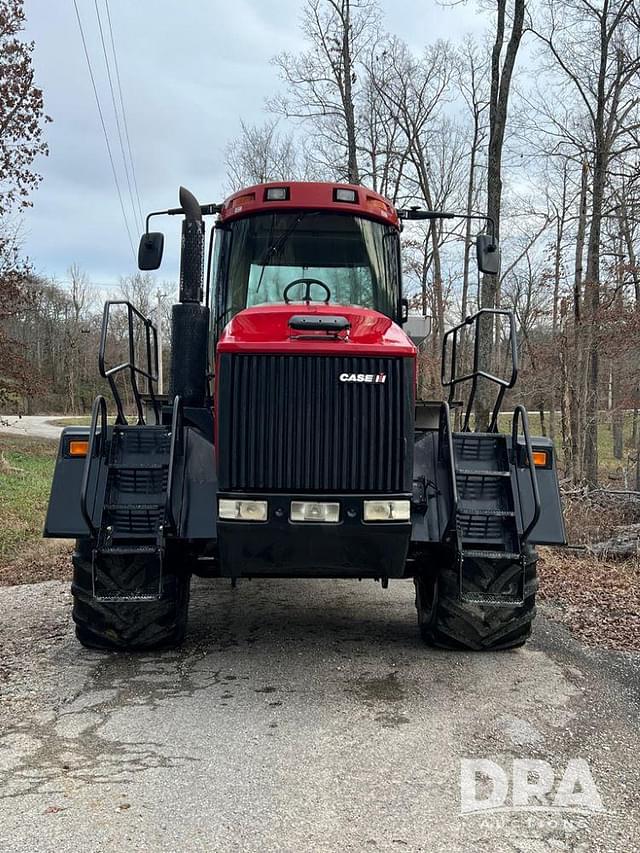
column 469, row 509
column 148, row 428
column 132, row 596
column 491, row 555
column 127, row 466
column 129, row 549
column 465, row 436
column 477, row 472
column 492, row 599
column 125, row 507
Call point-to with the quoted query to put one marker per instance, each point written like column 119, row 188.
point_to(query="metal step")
column 133, row 537
column 469, row 509
column 492, row 599
column 132, row 596
column 478, row 435
column 491, row 555
column 127, row 466
column 126, row 506
column 128, row 549
column 477, row 472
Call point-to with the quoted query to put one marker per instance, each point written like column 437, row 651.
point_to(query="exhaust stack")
column 189, row 318
column 192, row 249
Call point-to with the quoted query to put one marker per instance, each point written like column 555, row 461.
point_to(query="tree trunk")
column 576, row 386
column 353, row 173
column 499, row 102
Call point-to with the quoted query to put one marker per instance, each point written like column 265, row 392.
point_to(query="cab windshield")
column 356, row 259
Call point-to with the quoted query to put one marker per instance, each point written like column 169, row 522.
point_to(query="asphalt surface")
column 36, row 426
column 300, row 716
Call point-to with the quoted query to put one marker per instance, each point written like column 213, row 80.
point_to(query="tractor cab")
column 306, row 243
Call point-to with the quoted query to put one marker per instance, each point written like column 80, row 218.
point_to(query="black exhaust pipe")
column 189, row 318
column 192, row 249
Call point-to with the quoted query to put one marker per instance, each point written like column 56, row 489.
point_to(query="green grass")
column 78, row 420
column 26, row 469
column 81, row 420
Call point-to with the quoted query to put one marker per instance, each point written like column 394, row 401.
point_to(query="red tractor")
column 291, row 443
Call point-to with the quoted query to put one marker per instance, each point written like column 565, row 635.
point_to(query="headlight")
column 313, row 511
column 387, row 510
column 242, row 510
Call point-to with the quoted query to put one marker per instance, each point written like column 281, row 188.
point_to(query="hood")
column 265, row 328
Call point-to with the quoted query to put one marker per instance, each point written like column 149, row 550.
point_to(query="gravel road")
column 300, row 716
column 36, row 426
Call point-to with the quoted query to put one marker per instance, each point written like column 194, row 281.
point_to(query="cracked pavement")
column 300, row 716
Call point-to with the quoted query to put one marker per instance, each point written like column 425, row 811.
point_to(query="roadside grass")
column 77, row 420
column 81, row 420
column 26, row 469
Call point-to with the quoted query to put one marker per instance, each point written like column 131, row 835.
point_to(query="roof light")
column 243, row 199
column 276, row 194
column 378, row 204
column 344, row 195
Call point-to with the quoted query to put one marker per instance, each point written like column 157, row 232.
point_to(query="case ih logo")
column 375, row 378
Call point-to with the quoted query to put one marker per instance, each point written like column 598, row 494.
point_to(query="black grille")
column 287, row 422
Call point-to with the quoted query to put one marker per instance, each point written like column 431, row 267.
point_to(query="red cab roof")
column 302, row 195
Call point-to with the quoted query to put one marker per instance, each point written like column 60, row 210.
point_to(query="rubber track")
column 127, row 625
column 455, row 624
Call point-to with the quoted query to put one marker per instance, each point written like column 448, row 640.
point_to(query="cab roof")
column 301, row 195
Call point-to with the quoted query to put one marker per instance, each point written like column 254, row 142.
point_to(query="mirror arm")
column 416, row 213
column 205, row 210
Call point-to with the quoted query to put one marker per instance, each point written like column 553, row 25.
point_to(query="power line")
column 138, row 225
column 104, row 127
column 124, row 114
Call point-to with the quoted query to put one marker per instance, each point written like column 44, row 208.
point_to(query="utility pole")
column 160, row 296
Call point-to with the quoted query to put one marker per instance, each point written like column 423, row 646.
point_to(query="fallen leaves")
column 598, row 599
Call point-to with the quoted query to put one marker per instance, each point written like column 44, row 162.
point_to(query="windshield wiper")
column 282, row 239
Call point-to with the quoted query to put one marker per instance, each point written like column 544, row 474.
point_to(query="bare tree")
column 413, row 91
column 500, row 90
column 260, row 154
column 472, row 81
column 323, row 85
column 595, row 51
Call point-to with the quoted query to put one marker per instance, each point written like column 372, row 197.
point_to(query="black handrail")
column 177, row 439
column 151, row 372
column 453, row 380
column 97, row 442
column 520, row 413
column 447, row 436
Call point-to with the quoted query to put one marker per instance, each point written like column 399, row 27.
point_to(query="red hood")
column 265, row 328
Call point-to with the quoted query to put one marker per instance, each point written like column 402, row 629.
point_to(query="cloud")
column 190, row 71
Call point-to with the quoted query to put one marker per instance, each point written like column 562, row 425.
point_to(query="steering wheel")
column 309, row 282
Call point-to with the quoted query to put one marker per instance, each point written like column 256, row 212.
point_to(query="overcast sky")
column 190, row 71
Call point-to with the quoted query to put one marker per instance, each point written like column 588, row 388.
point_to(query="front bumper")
column 278, row 547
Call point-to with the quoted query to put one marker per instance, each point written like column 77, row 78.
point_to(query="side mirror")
column 404, row 311
column 418, row 328
column 150, row 250
column 488, row 254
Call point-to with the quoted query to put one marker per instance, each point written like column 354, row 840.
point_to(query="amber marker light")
column 540, row 458
column 78, row 448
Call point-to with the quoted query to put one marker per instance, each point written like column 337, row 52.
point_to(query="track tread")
column 127, row 626
column 450, row 623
